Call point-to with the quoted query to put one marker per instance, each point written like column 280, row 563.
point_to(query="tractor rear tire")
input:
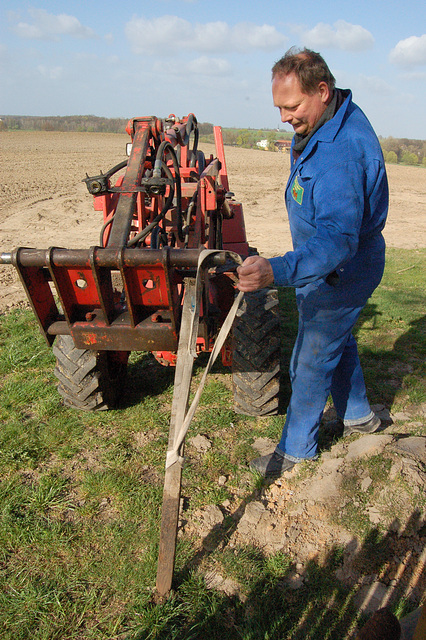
column 88, row 380
column 256, row 354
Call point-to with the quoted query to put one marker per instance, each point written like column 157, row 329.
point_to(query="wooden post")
column 173, row 475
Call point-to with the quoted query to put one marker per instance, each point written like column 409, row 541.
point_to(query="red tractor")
column 162, row 206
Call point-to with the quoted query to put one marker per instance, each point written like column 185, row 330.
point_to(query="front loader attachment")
column 143, row 315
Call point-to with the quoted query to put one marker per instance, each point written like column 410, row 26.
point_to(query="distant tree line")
column 404, row 151
column 64, row 123
column 249, row 138
column 74, row 123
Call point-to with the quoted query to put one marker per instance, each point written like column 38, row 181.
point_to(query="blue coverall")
column 337, row 203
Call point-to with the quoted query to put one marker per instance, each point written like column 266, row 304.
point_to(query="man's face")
column 299, row 109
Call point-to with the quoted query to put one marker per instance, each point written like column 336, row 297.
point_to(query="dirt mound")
column 317, row 512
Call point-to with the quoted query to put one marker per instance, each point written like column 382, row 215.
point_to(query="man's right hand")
column 255, row 273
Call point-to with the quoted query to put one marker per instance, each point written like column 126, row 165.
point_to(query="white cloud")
column 258, row 37
column 46, row 26
column 52, row 73
column 211, row 36
column 170, row 34
column 341, row 35
column 409, row 52
column 209, row 66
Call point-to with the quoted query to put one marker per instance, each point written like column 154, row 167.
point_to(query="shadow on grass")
column 145, row 377
column 268, row 606
column 388, row 372
column 148, row 377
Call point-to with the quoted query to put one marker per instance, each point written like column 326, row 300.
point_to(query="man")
column 337, row 202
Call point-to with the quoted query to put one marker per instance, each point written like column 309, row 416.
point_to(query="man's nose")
column 285, row 116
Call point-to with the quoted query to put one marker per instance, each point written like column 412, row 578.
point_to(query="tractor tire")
column 88, row 380
column 256, row 354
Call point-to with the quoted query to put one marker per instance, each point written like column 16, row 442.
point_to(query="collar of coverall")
column 337, row 100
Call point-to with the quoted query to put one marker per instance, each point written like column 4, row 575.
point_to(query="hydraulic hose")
column 139, row 237
column 194, row 156
column 105, row 226
column 166, row 147
column 117, row 167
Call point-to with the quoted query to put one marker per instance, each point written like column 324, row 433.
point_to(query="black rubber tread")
column 88, row 380
column 256, row 354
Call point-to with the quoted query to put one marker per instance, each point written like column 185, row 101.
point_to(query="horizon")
column 93, row 115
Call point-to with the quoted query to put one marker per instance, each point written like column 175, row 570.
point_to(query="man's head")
column 302, row 87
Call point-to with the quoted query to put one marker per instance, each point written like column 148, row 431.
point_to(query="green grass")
column 392, row 333
column 81, row 493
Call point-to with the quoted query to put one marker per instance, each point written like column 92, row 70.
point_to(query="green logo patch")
column 297, row 191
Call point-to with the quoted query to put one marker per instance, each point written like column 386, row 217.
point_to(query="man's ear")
column 324, row 92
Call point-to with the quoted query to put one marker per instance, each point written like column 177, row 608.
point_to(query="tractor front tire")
column 88, row 380
column 256, row 354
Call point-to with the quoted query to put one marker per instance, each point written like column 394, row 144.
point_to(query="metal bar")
column 128, row 293
column 59, row 328
column 103, row 282
column 109, row 257
column 122, row 221
column 221, row 157
column 173, row 475
column 146, row 336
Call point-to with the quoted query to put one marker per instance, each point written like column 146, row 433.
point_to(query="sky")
column 131, row 58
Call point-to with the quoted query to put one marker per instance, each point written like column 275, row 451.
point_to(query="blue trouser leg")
column 348, row 388
column 325, row 359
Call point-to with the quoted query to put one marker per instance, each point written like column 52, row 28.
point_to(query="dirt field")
column 44, row 202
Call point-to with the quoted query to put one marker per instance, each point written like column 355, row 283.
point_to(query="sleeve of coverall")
column 338, row 205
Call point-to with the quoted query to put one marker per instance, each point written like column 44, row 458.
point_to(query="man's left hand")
column 255, row 273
